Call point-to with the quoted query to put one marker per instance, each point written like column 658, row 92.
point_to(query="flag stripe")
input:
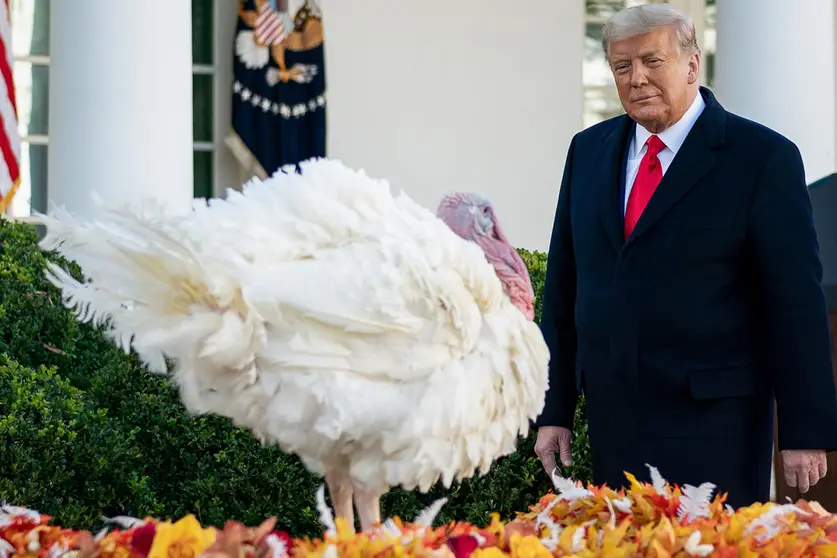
column 11, row 164
column 8, row 92
column 6, row 63
column 6, row 28
column 270, row 25
column 5, row 179
column 9, row 135
column 269, row 29
column 6, row 185
column 8, row 126
column 8, row 112
column 270, row 39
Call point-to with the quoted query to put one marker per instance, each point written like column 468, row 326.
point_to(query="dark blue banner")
column 278, row 112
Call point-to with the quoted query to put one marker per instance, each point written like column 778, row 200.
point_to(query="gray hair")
column 639, row 20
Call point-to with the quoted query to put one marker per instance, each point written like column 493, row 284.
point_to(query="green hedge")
column 86, row 432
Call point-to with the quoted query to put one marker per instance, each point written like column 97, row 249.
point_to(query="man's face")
column 654, row 81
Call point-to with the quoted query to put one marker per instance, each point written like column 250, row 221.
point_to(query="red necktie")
column 647, row 179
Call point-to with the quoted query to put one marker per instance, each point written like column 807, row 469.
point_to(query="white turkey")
column 380, row 343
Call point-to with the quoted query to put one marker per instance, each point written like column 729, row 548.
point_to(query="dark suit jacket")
column 681, row 336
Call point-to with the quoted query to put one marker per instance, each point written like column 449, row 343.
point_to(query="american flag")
column 9, row 135
column 269, row 27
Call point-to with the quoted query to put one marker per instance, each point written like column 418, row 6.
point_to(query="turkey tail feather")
column 149, row 288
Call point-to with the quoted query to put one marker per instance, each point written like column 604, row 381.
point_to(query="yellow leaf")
column 184, row 539
column 635, row 485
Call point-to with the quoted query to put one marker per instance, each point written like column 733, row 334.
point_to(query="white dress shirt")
column 673, row 137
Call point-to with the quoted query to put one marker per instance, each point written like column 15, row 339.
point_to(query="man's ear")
column 694, row 68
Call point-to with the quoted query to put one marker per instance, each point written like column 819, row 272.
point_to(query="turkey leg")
column 368, row 504
column 340, row 489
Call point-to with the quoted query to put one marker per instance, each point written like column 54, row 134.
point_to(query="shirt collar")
column 674, row 135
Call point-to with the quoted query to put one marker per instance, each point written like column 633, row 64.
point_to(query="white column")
column 696, row 9
column 776, row 65
column 120, row 102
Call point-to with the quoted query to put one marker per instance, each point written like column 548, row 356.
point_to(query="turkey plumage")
column 382, row 344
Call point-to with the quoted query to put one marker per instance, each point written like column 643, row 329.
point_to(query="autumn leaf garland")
column 655, row 520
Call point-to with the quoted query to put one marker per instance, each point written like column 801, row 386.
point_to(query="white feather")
column 544, row 519
column 577, row 542
column 612, row 519
column 567, row 488
column 57, row 549
column 624, row 505
column 6, row 549
column 579, row 536
column 326, row 516
column 695, row 501
column 278, row 547
column 574, row 494
column 9, row 513
column 390, row 529
column 560, row 483
column 552, row 540
column 345, row 324
column 428, row 515
column 657, row 481
column 124, row 521
column 694, row 548
column 770, row 521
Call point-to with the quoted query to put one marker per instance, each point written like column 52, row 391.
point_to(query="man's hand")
column 552, row 439
column 803, row 468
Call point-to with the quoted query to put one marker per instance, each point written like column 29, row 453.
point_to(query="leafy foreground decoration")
column 654, row 519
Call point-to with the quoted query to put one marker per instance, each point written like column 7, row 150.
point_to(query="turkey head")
column 472, row 217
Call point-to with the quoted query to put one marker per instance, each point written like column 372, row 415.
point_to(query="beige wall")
column 468, row 95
